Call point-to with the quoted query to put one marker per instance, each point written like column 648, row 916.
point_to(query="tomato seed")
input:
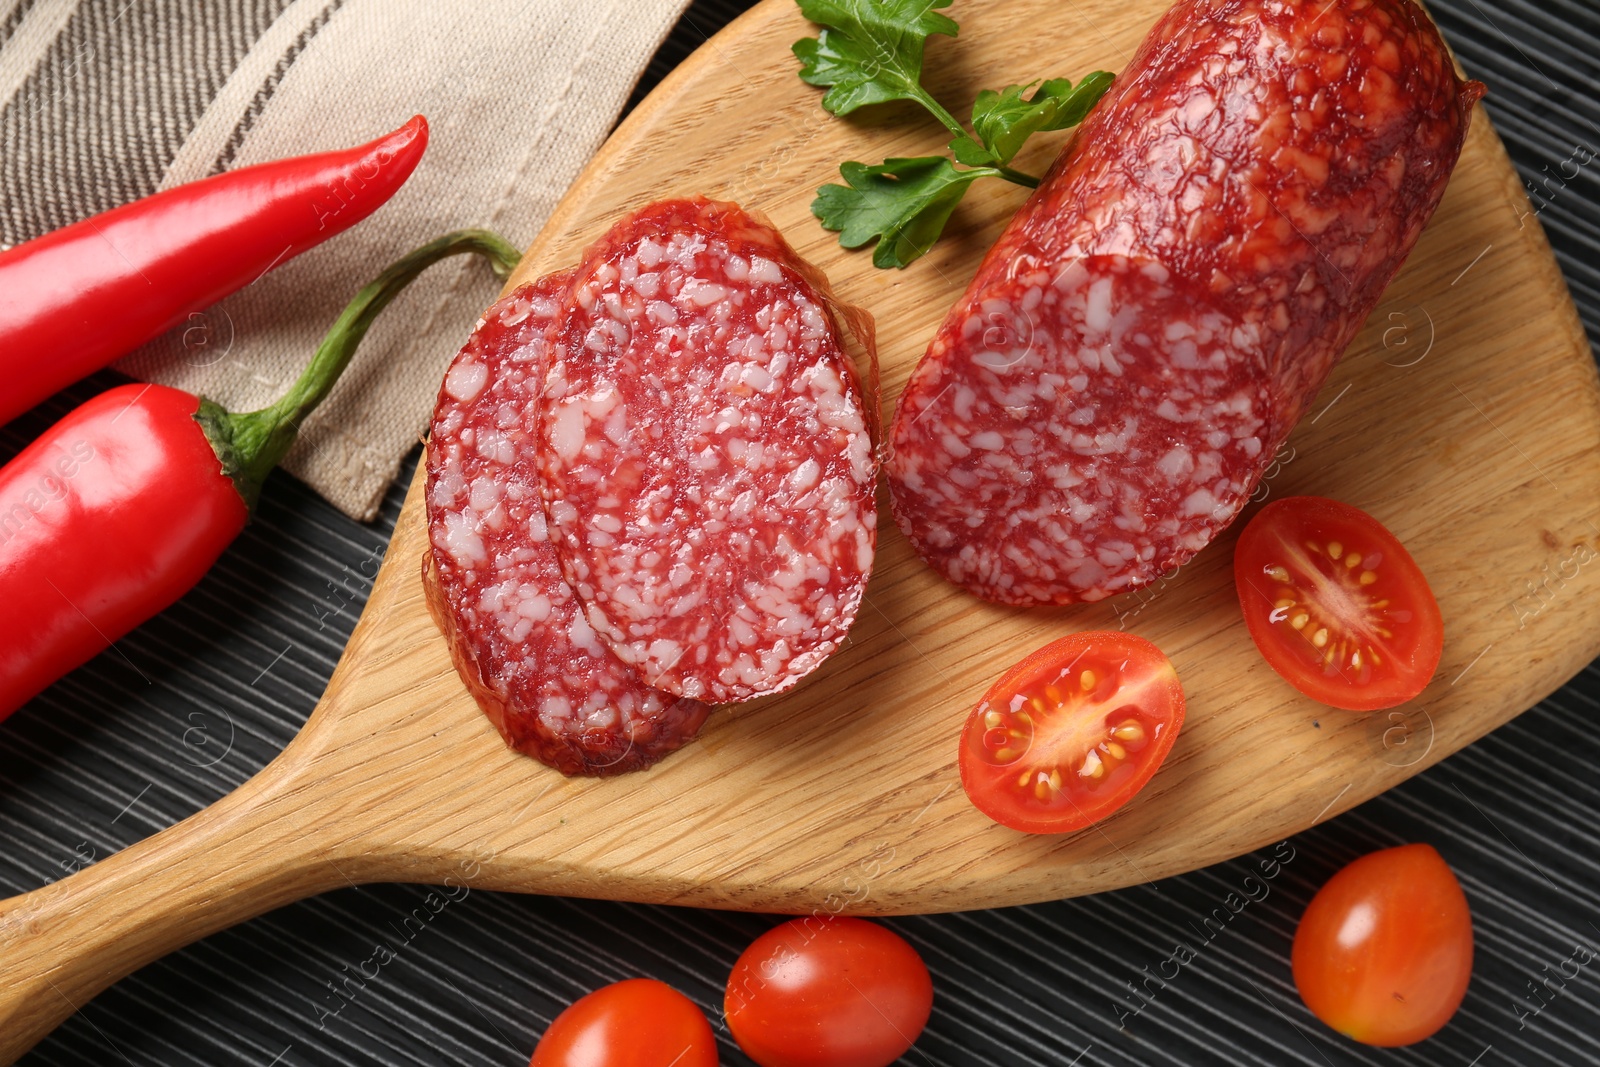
column 1129, row 731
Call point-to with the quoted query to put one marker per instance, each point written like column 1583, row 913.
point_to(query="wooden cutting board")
column 1466, row 417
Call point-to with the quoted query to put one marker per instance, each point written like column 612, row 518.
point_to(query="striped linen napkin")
column 103, row 101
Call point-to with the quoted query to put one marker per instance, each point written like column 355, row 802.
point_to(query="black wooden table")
column 224, row 679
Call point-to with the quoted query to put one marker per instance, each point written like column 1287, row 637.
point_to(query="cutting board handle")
column 328, row 812
column 266, row 844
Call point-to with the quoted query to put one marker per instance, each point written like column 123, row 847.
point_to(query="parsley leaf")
column 870, row 51
column 903, row 204
column 1003, row 121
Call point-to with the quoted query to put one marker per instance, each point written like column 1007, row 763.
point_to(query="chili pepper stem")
column 251, row 443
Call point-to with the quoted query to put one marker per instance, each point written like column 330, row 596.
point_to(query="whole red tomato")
column 828, row 992
column 1383, row 953
column 637, row 1023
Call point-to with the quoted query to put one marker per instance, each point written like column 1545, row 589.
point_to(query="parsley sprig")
column 870, row 52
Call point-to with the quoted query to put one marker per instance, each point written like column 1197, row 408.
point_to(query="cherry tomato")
column 637, row 1023
column 828, row 992
column 1336, row 605
column 1070, row 734
column 1384, row 951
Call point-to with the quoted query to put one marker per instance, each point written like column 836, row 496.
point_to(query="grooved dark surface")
column 141, row 737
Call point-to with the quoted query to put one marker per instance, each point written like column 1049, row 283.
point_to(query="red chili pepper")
column 121, row 506
column 77, row 298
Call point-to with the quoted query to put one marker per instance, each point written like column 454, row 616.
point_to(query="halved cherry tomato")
column 1336, row 605
column 1383, row 953
column 828, row 992
column 637, row 1023
column 1070, row 734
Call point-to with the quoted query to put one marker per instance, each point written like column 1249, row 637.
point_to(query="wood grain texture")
column 1466, row 417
